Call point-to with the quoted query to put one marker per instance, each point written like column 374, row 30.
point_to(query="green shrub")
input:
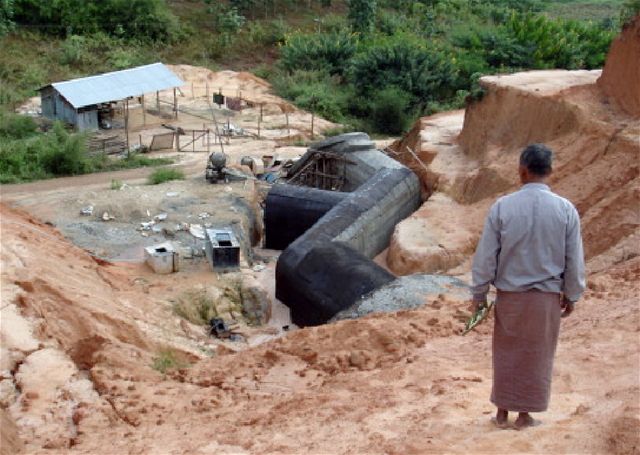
column 424, row 72
column 164, row 175
column 267, row 33
column 138, row 19
column 14, row 126
column 630, row 9
column 73, row 50
column 168, row 359
column 389, row 111
column 65, row 153
column 196, row 307
column 330, row 53
column 315, row 91
column 6, row 17
column 362, row 15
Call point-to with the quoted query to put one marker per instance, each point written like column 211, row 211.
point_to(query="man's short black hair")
column 537, row 159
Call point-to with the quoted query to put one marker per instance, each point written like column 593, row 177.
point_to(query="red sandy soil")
column 79, row 335
column 78, row 339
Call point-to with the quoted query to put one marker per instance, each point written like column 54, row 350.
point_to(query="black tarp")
column 331, row 277
column 291, row 210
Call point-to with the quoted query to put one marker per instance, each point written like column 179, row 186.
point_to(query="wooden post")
column 261, row 104
column 140, row 140
column 158, row 101
column 126, row 123
column 286, row 115
column 175, row 104
column 144, row 113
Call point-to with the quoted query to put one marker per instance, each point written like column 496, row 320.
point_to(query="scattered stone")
column 197, row 231
column 168, row 232
column 203, row 215
column 172, row 194
column 107, row 217
column 157, row 229
column 259, row 267
column 87, row 211
column 407, row 292
column 147, row 226
column 160, row 217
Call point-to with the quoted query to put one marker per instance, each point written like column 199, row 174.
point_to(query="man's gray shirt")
column 531, row 240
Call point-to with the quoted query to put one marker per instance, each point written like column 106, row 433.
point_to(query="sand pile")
column 230, row 83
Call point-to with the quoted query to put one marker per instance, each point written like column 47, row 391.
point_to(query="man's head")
column 535, row 163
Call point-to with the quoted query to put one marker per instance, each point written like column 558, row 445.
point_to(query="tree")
column 630, row 9
column 362, row 15
column 6, row 16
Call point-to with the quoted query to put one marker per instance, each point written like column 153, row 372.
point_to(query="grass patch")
column 28, row 154
column 168, row 359
column 130, row 162
column 165, row 175
column 116, row 184
column 197, row 307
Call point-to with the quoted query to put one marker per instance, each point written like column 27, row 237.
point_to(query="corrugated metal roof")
column 117, row 85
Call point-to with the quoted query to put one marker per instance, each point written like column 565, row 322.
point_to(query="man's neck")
column 534, row 180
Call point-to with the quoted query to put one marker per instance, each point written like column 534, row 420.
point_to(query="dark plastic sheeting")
column 331, row 277
column 292, row 210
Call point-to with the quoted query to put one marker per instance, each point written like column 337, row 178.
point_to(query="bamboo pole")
column 126, row 124
column 175, row 105
column 144, row 113
column 286, row 115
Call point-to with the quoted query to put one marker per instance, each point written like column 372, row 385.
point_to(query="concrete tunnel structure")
column 330, row 238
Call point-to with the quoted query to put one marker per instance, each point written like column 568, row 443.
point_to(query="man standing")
column 531, row 251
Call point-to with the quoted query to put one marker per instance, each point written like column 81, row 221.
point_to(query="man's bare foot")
column 502, row 418
column 524, row 420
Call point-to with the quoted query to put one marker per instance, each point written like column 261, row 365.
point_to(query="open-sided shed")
column 78, row 101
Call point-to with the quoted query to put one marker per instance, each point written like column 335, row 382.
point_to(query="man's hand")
column 475, row 305
column 568, row 307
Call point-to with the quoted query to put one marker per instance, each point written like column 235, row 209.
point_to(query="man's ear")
column 523, row 172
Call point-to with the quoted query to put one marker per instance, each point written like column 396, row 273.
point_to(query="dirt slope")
column 78, row 341
column 622, row 70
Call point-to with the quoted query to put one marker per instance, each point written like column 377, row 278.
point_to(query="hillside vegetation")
column 373, row 65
